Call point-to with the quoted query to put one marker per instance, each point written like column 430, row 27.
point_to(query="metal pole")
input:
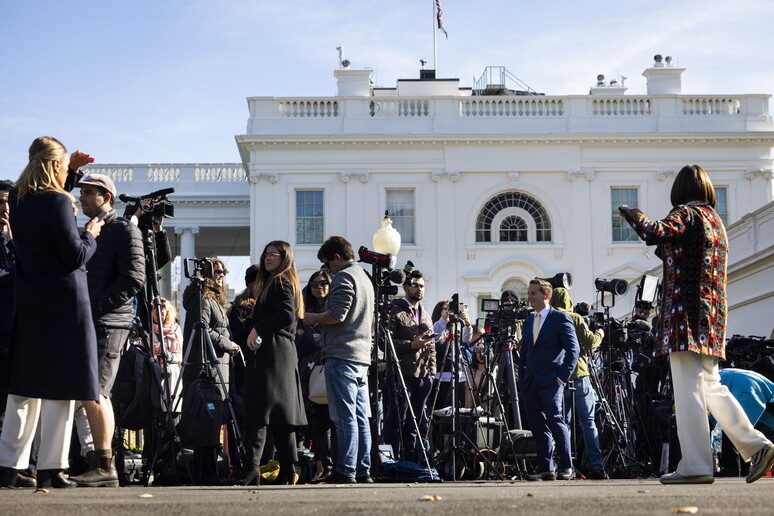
column 435, row 38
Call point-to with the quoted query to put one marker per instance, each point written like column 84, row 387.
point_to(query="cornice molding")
column 268, row 144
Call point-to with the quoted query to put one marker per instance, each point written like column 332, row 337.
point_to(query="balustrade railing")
column 511, row 107
column 711, row 106
column 308, row 108
column 406, row 108
column 620, row 107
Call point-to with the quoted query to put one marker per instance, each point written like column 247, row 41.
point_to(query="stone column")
column 187, row 250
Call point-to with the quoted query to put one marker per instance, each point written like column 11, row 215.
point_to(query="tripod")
column 200, row 337
column 460, row 445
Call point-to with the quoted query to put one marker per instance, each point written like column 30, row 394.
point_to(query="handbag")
column 317, row 391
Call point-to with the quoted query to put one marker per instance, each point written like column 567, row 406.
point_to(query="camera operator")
column 443, row 328
column 116, row 273
column 653, row 374
column 346, row 350
column 7, row 272
column 213, row 313
column 584, row 397
column 412, row 333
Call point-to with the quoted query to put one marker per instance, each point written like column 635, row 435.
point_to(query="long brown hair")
column 214, row 291
column 38, row 176
column 692, row 184
column 285, row 272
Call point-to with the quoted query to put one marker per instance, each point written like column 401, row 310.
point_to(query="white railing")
column 711, row 106
column 405, row 108
column 118, row 174
column 620, row 107
column 511, row 107
column 308, row 108
column 220, row 173
column 163, row 174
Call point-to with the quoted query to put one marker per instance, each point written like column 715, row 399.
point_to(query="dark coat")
column 116, row 272
column 214, row 316
column 54, row 348
column 272, row 383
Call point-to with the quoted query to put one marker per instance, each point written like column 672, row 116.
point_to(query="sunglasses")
column 221, row 271
column 320, row 283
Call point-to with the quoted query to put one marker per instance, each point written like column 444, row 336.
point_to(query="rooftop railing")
column 520, row 114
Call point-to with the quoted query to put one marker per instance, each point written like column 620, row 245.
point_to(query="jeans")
column 585, row 398
column 347, row 386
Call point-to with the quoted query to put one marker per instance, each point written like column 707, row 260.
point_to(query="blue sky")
column 154, row 81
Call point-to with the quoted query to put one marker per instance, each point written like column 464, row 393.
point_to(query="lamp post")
column 387, row 239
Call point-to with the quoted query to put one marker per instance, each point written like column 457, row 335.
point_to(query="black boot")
column 102, row 471
column 251, row 477
column 54, row 478
column 8, row 477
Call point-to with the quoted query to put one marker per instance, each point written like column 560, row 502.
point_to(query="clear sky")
column 160, row 81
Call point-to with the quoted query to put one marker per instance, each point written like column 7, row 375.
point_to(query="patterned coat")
column 693, row 245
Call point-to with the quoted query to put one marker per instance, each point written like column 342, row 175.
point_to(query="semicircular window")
column 516, row 217
column 513, row 229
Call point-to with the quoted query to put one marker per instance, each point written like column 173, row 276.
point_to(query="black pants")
column 284, row 441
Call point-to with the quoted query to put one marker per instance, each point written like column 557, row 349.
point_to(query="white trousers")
column 697, row 390
column 83, row 429
column 22, row 417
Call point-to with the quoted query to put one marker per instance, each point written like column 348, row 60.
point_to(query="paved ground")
column 578, row 497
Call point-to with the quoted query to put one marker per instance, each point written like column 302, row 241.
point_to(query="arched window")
column 513, row 214
column 513, row 229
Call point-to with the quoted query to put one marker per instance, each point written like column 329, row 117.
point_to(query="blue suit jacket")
column 554, row 355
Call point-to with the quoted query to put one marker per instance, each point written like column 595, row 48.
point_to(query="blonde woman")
column 53, row 363
column 173, row 344
column 272, row 384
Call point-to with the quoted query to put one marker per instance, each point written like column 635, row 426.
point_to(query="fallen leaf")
column 41, row 490
column 253, row 491
column 431, row 498
column 530, row 494
column 146, row 495
column 691, row 509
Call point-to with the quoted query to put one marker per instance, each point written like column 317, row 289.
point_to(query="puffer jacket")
column 416, row 363
column 116, row 272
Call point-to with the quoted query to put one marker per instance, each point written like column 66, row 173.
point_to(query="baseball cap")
column 99, row 180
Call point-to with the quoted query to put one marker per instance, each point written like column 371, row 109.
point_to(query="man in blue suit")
column 548, row 356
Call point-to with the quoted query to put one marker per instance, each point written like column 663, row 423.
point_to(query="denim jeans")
column 347, row 386
column 585, row 398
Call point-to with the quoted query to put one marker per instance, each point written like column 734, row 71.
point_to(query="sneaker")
column 565, row 474
column 761, row 463
column 676, row 478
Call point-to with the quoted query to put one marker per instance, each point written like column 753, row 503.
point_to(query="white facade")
column 554, row 161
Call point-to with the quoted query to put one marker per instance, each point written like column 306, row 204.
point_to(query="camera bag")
column 135, row 395
column 202, row 416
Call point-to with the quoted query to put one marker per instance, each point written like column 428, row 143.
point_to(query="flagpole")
column 435, row 39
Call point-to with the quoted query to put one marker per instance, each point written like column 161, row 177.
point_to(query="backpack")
column 202, row 414
column 135, row 395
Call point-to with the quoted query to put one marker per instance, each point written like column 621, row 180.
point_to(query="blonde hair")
column 38, row 176
column 219, row 293
column 168, row 312
column 285, row 272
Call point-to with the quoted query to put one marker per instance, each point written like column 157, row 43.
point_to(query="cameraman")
column 585, row 397
column 116, row 273
column 412, row 333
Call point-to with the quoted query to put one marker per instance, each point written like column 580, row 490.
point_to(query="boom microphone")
column 640, row 325
column 397, row 276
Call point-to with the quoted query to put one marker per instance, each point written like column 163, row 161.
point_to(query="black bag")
column 202, row 415
column 135, row 395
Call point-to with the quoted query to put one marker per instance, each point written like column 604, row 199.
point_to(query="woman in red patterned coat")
column 693, row 246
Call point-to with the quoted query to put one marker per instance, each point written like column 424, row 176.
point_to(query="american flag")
column 439, row 12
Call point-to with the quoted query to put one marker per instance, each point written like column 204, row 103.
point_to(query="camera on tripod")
column 158, row 206
column 201, row 269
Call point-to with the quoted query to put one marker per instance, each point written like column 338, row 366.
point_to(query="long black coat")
column 214, row 316
column 54, row 347
column 272, row 383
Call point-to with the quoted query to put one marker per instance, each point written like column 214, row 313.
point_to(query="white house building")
column 488, row 187
column 491, row 190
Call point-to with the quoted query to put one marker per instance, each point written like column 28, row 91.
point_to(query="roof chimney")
column 661, row 79
column 353, row 83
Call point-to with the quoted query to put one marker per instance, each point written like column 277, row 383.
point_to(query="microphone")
column 397, row 276
column 640, row 325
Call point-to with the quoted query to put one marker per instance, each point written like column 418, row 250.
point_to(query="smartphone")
column 434, row 335
column 102, row 215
